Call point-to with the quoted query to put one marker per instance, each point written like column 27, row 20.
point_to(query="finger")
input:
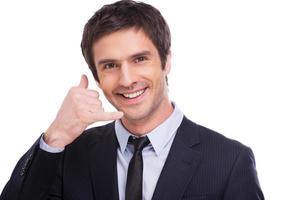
column 107, row 116
column 84, row 82
column 92, row 101
column 91, row 93
column 91, row 108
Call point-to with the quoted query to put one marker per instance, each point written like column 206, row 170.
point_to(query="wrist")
column 55, row 138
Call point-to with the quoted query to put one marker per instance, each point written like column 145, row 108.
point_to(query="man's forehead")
column 122, row 44
column 126, row 36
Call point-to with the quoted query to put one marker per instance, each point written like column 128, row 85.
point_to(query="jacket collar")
column 181, row 163
column 103, row 164
column 178, row 170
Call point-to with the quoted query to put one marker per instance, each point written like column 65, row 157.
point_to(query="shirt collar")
column 159, row 137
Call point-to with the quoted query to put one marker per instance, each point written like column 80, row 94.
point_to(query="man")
column 151, row 150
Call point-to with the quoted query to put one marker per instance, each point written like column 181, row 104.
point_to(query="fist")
column 80, row 108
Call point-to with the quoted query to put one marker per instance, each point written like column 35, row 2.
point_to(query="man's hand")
column 80, row 108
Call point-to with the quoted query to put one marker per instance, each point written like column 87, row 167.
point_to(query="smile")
column 134, row 94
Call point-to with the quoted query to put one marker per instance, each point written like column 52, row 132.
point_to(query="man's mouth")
column 133, row 94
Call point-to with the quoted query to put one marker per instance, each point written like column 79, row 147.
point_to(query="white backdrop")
column 235, row 69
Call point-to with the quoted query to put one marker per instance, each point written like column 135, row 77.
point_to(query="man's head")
column 127, row 47
column 122, row 15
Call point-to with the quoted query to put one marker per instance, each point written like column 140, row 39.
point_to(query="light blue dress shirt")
column 154, row 155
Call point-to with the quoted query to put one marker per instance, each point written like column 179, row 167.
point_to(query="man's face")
column 130, row 73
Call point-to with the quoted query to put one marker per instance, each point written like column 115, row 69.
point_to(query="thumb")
column 84, row 82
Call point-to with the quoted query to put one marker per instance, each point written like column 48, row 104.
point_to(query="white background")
column 235, row 70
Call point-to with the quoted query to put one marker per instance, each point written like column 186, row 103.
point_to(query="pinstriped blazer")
column 201, row 165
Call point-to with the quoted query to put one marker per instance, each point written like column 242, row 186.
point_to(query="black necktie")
column 134, row 185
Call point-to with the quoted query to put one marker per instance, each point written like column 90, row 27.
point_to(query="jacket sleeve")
column 243, row 182
column 33, row 175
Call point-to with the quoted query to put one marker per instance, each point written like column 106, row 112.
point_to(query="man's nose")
column 126, row 75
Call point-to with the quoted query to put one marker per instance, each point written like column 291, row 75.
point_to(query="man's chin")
column 133, row 112
column 134, row 116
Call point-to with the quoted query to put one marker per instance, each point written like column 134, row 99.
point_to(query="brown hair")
column 121, row 15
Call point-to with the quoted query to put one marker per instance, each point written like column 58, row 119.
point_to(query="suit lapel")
column 103, row 168
column 180, row 165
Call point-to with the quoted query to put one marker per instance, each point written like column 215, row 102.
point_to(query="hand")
column 80, row 108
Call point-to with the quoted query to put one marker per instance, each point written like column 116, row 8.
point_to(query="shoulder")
column 214, row 143
column 224, row 163
column 94, row 134
column 99, row 131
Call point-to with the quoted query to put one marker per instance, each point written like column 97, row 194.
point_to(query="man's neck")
column 147, row 124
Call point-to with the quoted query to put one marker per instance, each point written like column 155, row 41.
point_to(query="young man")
column 151, row 150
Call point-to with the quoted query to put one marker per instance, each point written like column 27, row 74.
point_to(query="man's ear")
column 167, row 68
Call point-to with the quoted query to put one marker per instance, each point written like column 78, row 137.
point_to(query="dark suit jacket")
column 201, row 165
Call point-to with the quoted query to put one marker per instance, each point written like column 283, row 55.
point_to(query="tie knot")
column 139, row 143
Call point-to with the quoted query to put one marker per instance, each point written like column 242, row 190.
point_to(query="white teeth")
column 133, row 95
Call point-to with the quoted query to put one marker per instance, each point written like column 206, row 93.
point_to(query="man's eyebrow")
column 143, row 53
column 136, row 55
column 103, row 61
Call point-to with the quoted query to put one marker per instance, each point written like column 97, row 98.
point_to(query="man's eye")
column 109, row 65
column 140, row 59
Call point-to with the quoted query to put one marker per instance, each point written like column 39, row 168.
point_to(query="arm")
column 36, row 171
column 243, row 182
column 41, row 175
column 33, row 174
